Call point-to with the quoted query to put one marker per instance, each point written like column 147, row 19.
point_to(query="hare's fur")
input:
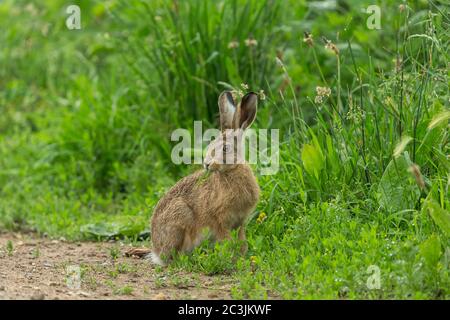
column 221, row 202
column 219, row 199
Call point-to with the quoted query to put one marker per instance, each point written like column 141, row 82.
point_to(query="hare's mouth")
column 213, row 167
column 210, row 166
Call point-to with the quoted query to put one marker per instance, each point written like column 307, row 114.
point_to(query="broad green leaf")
column 123, row 228
column 430, row 250
column 313, row 159
column 397, row 189
column 440, row 216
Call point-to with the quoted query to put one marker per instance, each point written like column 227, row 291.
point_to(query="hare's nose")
column 206, row 166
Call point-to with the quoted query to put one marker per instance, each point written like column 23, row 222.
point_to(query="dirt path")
column 40, row 268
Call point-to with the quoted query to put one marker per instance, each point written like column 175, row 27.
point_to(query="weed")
column 36, row 253
column 9, row 248
column 114, row 253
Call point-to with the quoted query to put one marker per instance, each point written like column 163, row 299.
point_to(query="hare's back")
column 180, row 191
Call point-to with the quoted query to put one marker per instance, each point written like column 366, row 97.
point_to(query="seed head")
column 233, row 44
column 308, row 39
column 322, row 92
column 331, row 46
column 251, row 42
column 415, row 171
column 279, row 62
column 262, row 95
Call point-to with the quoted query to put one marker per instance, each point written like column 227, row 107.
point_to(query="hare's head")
column 225, row 152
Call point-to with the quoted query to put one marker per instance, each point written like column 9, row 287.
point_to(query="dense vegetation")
column 86, row 117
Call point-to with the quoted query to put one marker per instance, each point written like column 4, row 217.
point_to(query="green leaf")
column 213, row 55
column 430, row 250
column 440, row 216
column 101, row 229
column 332, row 157
column 313, row 159
column 232, row 71
column 126, row 227
column 397, row 189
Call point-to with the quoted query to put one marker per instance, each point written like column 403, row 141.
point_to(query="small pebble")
column 159, row 296
column 38, row 296
column 83, row 294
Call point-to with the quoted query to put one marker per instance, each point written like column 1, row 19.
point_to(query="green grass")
column 364, row 170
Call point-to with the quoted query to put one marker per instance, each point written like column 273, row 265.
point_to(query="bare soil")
column 40, row 268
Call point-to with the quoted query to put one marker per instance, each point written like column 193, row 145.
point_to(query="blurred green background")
column 86, row 118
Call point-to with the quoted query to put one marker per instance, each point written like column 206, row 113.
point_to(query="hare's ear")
column 246, row 112
column 227, row 109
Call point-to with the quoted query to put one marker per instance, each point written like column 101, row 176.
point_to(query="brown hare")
column 220, row 197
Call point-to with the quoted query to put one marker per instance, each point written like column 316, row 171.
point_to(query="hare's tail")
column 155, row 258
column 147, row 254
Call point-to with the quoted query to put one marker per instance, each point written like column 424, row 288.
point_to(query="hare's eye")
column 226, row 148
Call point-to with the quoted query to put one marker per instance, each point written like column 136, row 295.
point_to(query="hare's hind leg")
column 172, row 231
column 137, row 252
column 220, row 234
